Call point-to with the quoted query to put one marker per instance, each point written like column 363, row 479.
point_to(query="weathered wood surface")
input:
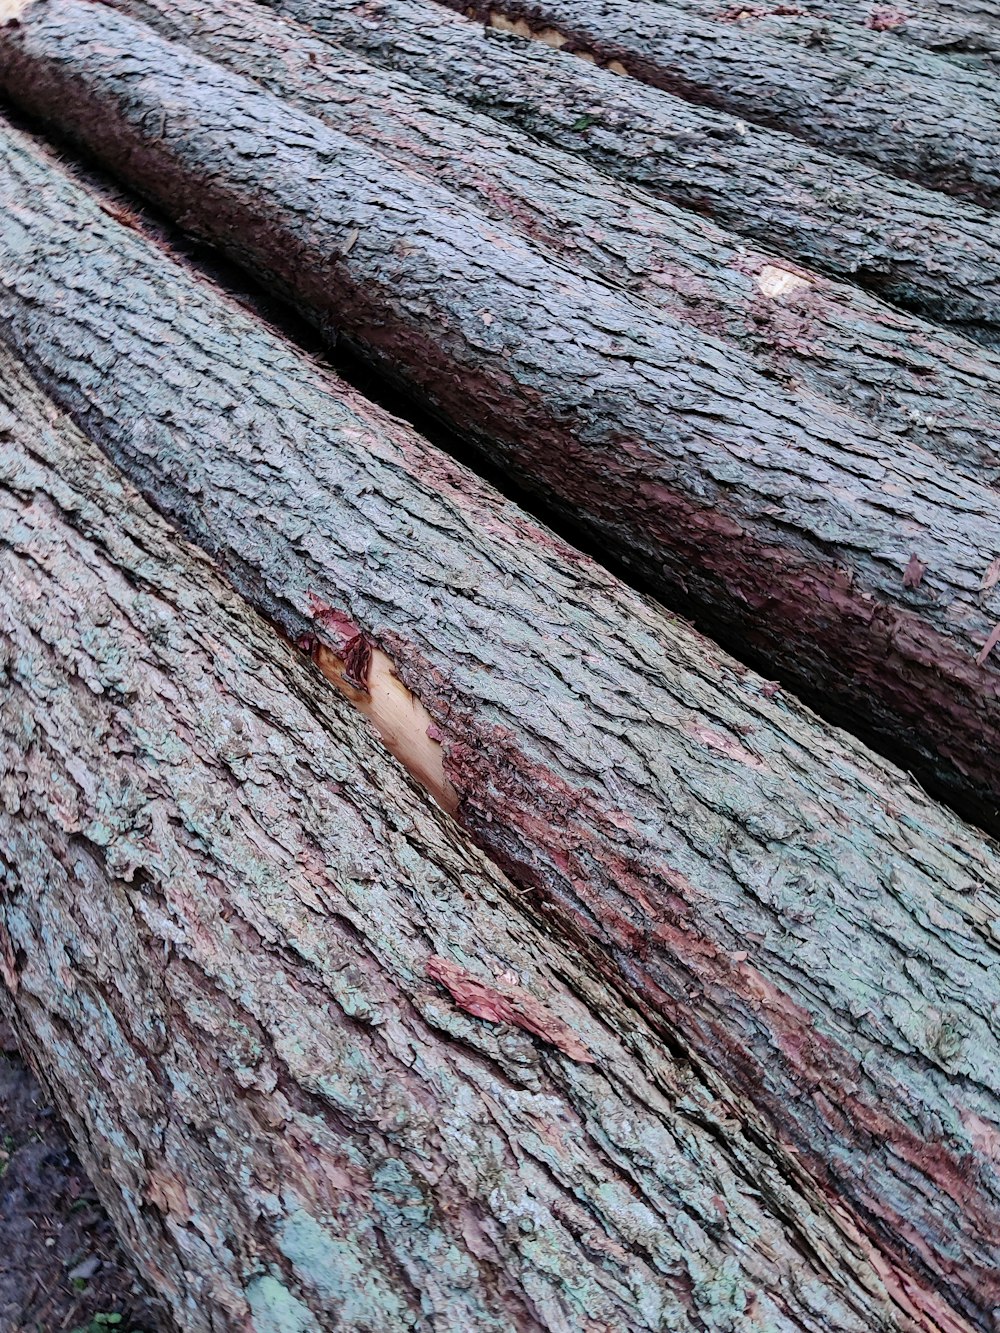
column 802, row 917
column 854, row 566
column 963, row 30
column 839, row 87
column 242, row 947
column 937, row 256
column 939, row 391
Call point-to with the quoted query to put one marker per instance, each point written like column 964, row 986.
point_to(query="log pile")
column 777, row 69
column 904, row 374
column 931, row 253
column 796, row 551
column 418, row 926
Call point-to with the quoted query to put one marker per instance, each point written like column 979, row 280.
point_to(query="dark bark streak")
column 658, row 801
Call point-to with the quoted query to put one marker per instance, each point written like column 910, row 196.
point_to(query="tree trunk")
column 324, row 1072
column 965, row 31
column 801, row 917
column 843, row 89
column 899, row 372
column 850, row 564
column 936, row 256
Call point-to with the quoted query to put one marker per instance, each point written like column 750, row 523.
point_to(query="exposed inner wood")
column 549, row 36
column 397, row 715
column 775, row 282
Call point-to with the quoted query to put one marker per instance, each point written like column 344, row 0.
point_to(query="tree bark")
column 852, row 565
column 967, row 33
column 838, row 87
column 899, row 372
column 325, row 1073
column 936, row 256
column 800, row 917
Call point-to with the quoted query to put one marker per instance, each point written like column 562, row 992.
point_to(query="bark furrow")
column 936, row 256
column 844, row 89
column 247, row 955
column 907, row 376
column 794, row 909
column 850, row 564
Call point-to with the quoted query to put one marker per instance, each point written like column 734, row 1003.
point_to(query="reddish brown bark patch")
column 511, row 1004
column 884, row 20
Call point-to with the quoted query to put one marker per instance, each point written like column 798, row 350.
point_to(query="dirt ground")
column 61, row 1267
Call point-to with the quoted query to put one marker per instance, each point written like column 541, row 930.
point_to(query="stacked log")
column 926, row 252
column 317, row 1087
column 966, row 31
column 734, row 869
column 853, row 567
column 552, row 970
column 902, row 373
column 838, row 87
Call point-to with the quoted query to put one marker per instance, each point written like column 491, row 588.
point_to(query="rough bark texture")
column 851, row 564
column 264, row 979
column 843, row 89
column 936, row 256
column 968, row 33
column 807, row 922
column 907, row 376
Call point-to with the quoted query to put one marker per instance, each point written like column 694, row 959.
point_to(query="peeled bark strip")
column 937, row 256
column 811, row 926
column 905, row 375
column 786, row 525
column 899, row 109
column 262, row 977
